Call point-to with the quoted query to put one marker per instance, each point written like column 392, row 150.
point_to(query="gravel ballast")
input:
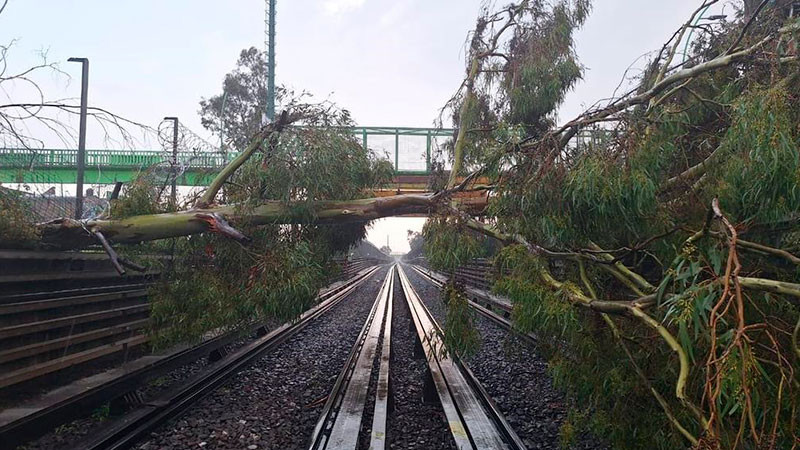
column 413, row 424
column 514, row 376
column 275, row 403
column 67, row 435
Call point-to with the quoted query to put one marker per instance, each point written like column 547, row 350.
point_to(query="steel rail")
column 64, row 293
column 486, row 309
column 380, row 414
column 141, row 422
column 340, row 420
column 124, row 432
column 474, row 419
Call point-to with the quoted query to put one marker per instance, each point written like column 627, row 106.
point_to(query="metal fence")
column 410, row 150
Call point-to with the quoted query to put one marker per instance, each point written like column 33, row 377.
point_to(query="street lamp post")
column 174, row 172
column 81, row 163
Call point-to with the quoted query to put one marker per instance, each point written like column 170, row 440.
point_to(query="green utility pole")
column 269, row 42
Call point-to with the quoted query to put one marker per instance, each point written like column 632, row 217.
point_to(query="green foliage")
column 215, row 284
column 16, row 227
column 640, row 191
column 237, row 112
column 759, row 179
column 447, row 245
column 320, row 161
column 583, row 359
column 520, row 82
column 543, row 66
column 102, row 413
column 138, row 197
column 460, row 335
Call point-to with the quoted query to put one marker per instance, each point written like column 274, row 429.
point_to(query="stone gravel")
column 413, row 424
column 514, row 375
column 275, row 403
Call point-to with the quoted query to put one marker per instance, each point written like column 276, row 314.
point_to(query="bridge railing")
column 133, row 159
column 43, row 159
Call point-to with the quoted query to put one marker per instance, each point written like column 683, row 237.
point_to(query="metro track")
column 359, row 409
column 491, row 307
column 472, row 417
column 126, row 431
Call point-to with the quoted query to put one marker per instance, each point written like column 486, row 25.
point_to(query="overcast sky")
column 391, row 63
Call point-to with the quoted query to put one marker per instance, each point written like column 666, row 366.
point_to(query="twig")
column 746, row 26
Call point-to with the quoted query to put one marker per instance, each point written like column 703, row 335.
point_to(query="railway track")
column 494, row 308
column 451, row 409
column 509, row 366
column 138, row 424
column 59, row 410
column 472, row 417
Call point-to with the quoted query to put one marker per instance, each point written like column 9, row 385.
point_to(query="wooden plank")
column 44, row 368
column 40, row 305
column 28, row 328
column 66, row 341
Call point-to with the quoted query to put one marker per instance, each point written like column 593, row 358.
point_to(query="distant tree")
column 242, row 103
column 415, row 244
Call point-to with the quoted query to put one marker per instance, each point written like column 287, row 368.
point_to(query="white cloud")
column 336, row 7
column 393, row 14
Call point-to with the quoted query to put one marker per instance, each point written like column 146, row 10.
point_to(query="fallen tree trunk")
column 72, row 234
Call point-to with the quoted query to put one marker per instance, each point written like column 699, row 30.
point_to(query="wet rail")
column 494, row 308
column 20, row 424
column 340, row 420
column 472, row 418
column 139, row 423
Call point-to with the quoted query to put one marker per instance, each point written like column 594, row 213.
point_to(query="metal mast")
column 269, row 43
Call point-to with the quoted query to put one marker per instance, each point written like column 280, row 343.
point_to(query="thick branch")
column 776, row 287
column 69, row 233
column 692, row 172
column 770, row 250
column 267, row 134
column 628, row 277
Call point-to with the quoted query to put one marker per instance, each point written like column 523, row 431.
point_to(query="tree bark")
column 72, row 234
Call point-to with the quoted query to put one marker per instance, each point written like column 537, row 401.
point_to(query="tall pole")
column 173, row 198
column 81, row 163
column 222, row 130
column 270, row 44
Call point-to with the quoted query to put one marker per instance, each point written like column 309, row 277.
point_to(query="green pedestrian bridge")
column 411, row 148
